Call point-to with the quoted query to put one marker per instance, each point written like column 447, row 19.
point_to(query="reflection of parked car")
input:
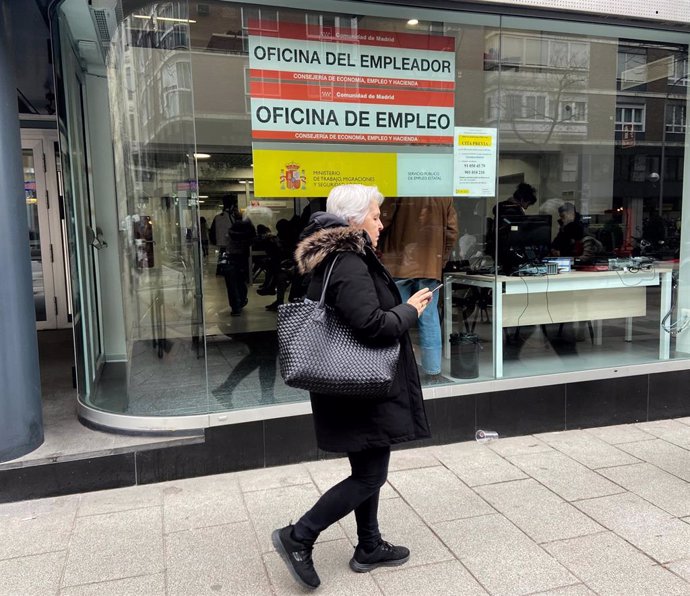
column 34, row 245
column 39, row 291
column 37, row 276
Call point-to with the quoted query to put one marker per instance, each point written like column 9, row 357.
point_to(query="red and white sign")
column 363, row 86
column 628, row 136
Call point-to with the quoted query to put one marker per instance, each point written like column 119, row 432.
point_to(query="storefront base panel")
column 605, row 402
column 669, row 395
column 290, row 440
column 522, row 411
column 67, row 477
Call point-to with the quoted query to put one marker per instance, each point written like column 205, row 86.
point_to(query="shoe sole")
column 278, row 544
column 364, row 567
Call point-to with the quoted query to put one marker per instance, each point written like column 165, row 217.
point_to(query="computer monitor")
column 522, row 240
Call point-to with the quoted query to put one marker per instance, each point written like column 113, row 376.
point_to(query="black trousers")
column 236, row 272
column 359, row 493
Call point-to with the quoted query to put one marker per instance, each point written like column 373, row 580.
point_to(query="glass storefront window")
column 604, row 171
column 289, row 119
column 536, row 173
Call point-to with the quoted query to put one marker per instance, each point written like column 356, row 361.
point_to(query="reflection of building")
column 650, row 129
column 551, row 106
column 588, row 110
column 543, row 87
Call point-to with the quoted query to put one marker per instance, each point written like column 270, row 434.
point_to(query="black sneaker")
column 297, row 557
column 384, row 555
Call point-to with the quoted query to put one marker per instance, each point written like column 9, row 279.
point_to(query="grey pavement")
column 598, row 511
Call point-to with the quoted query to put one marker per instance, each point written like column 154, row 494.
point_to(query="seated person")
column 279, row 265
column 265, row 242
column 568, row 241
column 573, row 239
column 523, row 197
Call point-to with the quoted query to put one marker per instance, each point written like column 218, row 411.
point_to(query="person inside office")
column 567, row 242
column 572, row 239
column 524, row 196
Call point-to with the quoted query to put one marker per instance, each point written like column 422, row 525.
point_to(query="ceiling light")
column 413, row 22
column 203, row 196
column 202, row 155
column 242, row 181
column 157, row 18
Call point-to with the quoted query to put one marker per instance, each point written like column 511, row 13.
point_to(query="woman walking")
column 365, row 296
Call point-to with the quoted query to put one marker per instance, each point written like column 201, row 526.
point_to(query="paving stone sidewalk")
column 597, row 511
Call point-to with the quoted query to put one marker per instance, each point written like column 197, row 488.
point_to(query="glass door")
column 78, row 204
column 79, row 225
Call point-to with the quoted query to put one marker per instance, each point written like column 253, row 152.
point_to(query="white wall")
column 662, row 10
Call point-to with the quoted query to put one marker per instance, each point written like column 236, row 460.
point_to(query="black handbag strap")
column 322, row 301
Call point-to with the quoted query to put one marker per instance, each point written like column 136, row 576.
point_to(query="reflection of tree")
column 538, row 102
column 544, row 123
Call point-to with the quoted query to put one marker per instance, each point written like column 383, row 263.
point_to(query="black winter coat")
column 363, row 293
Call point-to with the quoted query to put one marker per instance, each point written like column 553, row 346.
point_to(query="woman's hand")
column 420, row 300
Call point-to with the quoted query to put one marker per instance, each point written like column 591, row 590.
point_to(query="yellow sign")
column 280, row 173
column 474, row 162
column 482, row 141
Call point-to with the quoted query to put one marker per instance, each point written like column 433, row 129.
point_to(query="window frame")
column 620, row 123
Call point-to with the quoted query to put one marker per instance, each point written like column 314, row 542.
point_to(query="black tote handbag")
column 320, row 353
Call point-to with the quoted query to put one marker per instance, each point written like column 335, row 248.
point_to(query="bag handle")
column 322, row 301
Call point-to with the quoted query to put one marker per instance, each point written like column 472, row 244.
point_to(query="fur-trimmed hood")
column 330, row 235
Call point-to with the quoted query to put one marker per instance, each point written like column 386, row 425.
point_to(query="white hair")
column 352, row 201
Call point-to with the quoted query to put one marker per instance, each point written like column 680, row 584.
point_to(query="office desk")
column 563, row 298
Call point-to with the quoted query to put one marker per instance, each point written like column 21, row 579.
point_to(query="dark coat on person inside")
column 364, row 294
column 568, row 241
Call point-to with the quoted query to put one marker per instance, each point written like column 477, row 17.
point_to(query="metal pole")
column 662, row 165
column 21, row 421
